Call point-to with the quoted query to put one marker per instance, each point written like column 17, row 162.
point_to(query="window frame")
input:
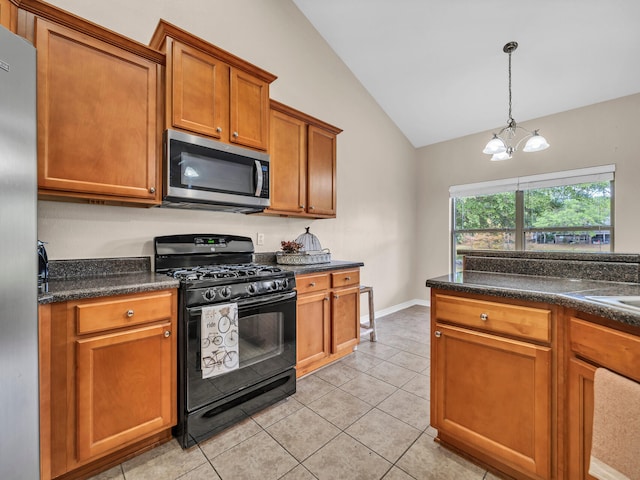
column 519, row 185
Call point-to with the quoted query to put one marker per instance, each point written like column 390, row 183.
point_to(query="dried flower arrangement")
column 290, row 247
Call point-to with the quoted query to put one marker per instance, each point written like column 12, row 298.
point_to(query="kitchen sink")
column 629, row 302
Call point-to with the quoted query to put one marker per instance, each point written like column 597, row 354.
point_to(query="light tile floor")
column 364, row 417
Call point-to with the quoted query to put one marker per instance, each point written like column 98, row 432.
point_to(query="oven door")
column 266, row 347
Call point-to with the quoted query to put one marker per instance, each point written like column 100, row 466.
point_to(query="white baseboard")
column 396, row 308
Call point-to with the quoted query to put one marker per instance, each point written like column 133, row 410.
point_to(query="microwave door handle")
column 258, row 176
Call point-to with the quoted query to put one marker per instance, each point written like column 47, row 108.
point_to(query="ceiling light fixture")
column 500, row 145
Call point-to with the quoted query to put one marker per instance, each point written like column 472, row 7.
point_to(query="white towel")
column 219, row 339
column 615, row 448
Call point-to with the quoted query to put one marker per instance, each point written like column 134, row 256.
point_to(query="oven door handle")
column 267, row 299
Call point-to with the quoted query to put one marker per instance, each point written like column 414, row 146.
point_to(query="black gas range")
column 236, row 331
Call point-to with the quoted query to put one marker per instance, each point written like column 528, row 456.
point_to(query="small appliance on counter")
column 43, row 264
column 304, row 250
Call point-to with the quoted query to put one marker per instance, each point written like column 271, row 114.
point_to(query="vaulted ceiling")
column 437, row 68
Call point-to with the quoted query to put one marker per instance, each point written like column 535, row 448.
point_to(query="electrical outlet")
column 260, row 239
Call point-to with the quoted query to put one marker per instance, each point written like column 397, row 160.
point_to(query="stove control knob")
column 209, row 294
column 285, row 284
column 252, row 288
column 225, row 292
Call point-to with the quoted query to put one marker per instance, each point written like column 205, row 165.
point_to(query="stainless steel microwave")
column 206, row 174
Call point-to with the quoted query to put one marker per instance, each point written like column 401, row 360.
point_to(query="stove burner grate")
column 222, row 271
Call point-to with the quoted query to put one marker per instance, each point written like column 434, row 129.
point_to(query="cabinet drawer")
column 115, row 312
column 344, row 278
column 312, row 283
column 516, row 320
column 617, row 351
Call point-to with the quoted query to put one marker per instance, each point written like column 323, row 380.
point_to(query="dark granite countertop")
column 89, row 278
column 321, row 267
column 60, row 290
column 270, row 258
column 567, row 292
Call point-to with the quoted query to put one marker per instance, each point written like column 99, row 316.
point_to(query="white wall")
column 600, row 134
column 376, row 164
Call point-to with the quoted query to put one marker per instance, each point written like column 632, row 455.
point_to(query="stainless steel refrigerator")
column 19, row 418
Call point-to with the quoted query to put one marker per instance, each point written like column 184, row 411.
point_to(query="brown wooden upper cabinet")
column 303, row 164
column 7, row 15
column 212, row 93
column 99, row 109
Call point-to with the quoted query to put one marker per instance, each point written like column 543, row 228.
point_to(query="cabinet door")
column 5, row 14
column 288, row 150
column 249, row 110
column 98, row 133
column 494, row 394
column 199, row 91
column 313, row 333
column 345, row 319
column 580, row 421
column 124, row 385
column 321, row 161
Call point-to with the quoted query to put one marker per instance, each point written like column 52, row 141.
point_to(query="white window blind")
column 602, row 173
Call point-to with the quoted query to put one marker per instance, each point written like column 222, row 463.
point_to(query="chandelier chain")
column 510, row 117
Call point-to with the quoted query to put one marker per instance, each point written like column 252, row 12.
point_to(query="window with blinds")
column 562, row 211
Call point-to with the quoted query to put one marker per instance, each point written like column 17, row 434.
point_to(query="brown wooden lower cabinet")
column 512, row 381
column 328, row 317
column 580, row 418
column 313, row 329
column 345, row 315
column 492, row 381
column 493, row 394
column 108, row 380
column 592, row 345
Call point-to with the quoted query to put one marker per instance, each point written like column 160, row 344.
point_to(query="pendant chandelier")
column 501, row 145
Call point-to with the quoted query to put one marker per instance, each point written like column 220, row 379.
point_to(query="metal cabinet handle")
column 219, row 129
column 312, row 284
column 438, row 333
column 301, row 206
column 129, row 313
column 326, row 299
column 167, row 333
column 311, row 207
column 347, row 278
column 484, row 317
column 235, row 134
column 336, row 296
column 152, row 190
